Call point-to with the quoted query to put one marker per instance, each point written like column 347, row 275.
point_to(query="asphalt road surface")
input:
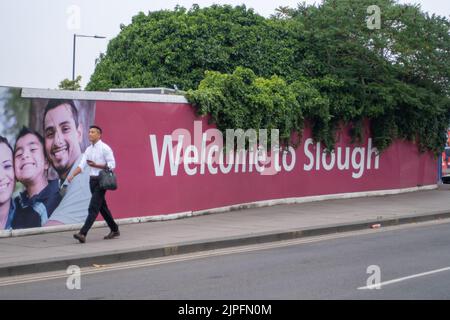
column 409, row 262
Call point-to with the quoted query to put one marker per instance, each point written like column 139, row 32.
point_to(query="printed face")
column 29, row 159
column 62, row 138
column 6, row 174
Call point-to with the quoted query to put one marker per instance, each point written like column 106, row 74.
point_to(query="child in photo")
column 40, row 198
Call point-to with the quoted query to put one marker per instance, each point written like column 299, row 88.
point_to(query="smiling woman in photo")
column 40, row 198
column 7, row 184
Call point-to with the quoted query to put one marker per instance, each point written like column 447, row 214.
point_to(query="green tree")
column 243, row 100
column 397, row 76
column 14, row 112
column 67, row 84
column 325, row 56
column 167, row 48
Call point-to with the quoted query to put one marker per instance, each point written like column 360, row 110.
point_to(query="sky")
column 36, row 36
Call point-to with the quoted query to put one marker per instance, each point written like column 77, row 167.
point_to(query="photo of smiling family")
column 39, row 149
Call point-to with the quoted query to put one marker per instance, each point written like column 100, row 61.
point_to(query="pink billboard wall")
column 170, row 162
column 145, row 137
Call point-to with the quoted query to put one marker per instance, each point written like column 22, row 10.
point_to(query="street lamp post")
column 74, row 46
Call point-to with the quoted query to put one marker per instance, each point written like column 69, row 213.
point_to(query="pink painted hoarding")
column 169, row 160
column 145, row 137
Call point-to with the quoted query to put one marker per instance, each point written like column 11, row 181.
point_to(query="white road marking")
column 373, row 286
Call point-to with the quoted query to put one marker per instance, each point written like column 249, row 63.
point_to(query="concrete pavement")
column 57, row 251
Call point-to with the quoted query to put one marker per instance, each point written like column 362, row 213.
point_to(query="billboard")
column 169, row 160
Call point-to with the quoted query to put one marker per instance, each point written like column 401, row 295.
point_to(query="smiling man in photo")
column 63, row 135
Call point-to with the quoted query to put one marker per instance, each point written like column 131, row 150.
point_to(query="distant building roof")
column 148, row 90
column 165, row 97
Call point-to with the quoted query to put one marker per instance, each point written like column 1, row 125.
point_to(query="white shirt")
column 101, row 154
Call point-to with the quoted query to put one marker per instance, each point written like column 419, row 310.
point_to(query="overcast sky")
column 36, row 36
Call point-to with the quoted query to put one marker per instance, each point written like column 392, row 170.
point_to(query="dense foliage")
column 318, row 63
column 73, row 85
column 167, row 48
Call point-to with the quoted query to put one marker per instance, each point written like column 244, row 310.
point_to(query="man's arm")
column 79, row 169
column 74, row 174
column 109, row 157
column 94, row 165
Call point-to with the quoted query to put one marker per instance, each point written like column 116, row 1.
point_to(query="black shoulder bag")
column 108, row 180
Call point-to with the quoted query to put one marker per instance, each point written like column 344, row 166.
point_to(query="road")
column 330, row 267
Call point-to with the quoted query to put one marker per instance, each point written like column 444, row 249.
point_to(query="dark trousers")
column 98, row 203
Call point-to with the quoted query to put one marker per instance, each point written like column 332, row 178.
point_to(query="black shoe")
column 112, row 235
column 80, row 237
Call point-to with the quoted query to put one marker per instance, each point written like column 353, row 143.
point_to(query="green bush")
column 315, row 63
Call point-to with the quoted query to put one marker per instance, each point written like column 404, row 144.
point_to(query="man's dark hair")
column 52, row 104
column 5, row 141
column 24, row 131
column 96, row 127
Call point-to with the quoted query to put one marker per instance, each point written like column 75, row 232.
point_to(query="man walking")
column 98, row 156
